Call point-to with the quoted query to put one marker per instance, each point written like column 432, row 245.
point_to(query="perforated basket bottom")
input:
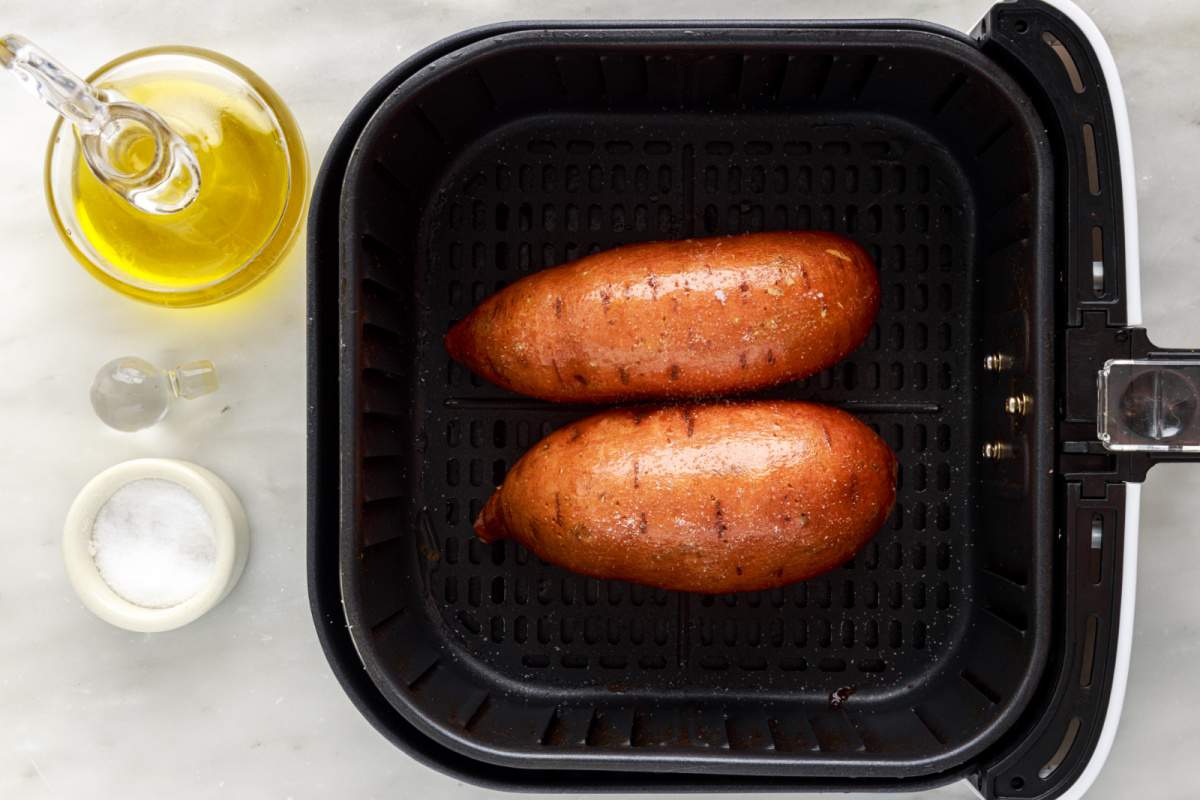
column 542, row 191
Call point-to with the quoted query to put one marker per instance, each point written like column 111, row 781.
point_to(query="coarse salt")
column 153, row 543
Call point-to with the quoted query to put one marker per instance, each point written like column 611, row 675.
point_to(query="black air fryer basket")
column 982, row 634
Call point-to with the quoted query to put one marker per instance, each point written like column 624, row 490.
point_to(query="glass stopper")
column 130, row 393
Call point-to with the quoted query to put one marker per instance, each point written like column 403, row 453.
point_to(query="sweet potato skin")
column 707, row 498
column 694, row 318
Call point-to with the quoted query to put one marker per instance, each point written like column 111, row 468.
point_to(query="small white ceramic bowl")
column 230, row 530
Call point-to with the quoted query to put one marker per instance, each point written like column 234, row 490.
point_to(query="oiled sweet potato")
column 704, row 498
column 692, row 318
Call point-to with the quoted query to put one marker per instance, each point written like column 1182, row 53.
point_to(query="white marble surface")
column 242, row 704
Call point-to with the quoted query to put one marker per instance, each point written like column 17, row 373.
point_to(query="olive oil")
column 244, row 186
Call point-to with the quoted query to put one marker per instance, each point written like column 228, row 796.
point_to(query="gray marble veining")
column 241, row 704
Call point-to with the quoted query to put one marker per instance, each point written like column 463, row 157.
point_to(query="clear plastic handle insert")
column 1149, row 405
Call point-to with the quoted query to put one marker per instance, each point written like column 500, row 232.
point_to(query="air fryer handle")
column 1150, row 403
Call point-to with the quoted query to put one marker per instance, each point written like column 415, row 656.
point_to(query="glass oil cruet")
column 180, row 176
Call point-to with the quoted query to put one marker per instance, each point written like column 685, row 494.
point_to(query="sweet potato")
column 703, row 498
column 691, row 318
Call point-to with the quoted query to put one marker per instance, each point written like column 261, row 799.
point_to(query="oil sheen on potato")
column 712, row 497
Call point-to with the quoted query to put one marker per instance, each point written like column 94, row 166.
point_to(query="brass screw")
column 997, row 362
column 997, row 451
column 1018, row 404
